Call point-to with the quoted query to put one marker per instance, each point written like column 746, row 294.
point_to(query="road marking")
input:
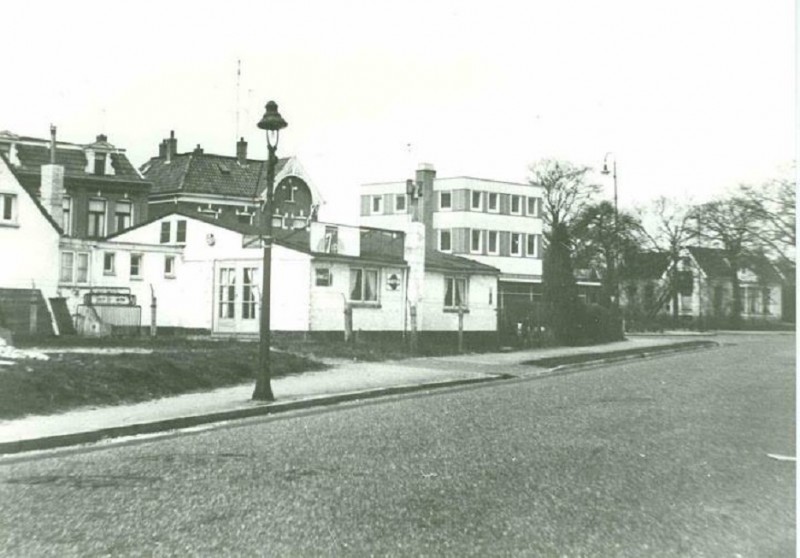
column 782, row 457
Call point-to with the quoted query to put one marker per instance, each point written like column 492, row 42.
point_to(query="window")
column 445, row 241
column 227, row 293
column 455, row 292
column 66, row 212
column 477, row 201
column 169, row 266
column 100, row 163
column 516, row 205
column 766, row 300
column 244, row 218
column 180, row 233
column 136, row 266
column 493, row 202
column 364, row 285
column 123, row 212
column 249, row 293
column 67, row 259
column 331, row 240
column 400, row 203
column 445, row 200
column 109, row 261
column 74, row 267
column 165, row 232
column 492, row 247
column 476, row 241
column 530, row 248
column 377, row 204
column 532, row 202
column 516, row 244
column 323, row 277
column 8, row 208
column 97, row 218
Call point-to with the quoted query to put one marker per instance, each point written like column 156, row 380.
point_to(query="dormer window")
column 100, row 163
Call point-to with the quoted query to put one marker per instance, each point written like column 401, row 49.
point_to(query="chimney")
column 426, row 175
column 102, row 138
column 51, row 187
column 241, row 151
column 52, row 144
column 162, row 149
column 170, row 146
column 198, row 150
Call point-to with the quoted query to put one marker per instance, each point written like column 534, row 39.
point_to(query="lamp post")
column 272, row 123
column 613, row 267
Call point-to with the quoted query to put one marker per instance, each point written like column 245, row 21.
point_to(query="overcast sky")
column 691, row 96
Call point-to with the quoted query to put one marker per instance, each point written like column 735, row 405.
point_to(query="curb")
column 93, row 436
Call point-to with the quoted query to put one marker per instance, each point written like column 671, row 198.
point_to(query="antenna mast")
column 238, row 79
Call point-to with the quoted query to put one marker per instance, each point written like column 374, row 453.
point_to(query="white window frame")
column 70, row 269
column 372, row 208
column 66, row 215
column 178, row 239
column 496, row 208
column 169, row 267
column 8, row 208
column 73, row 269
column 531, row 253
column 449, row 206
column 226, row 290
column 249, row 303
column 139, row 266
column 440, row 235
column 118, row 214
column 519, row 244
column 103, row 225
column 109, row 257
column 472, row 205
column 166, row 226
column 454, row 280
column 496, row 250
column 531, row 204
column 479, row 249
column 361, row 300
column 518, row 199
column 398, row 198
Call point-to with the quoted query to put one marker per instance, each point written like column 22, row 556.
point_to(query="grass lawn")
column 69, row 380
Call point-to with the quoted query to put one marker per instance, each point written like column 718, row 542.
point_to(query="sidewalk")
column 345, row 381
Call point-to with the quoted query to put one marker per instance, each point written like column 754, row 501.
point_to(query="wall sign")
column 393, row 281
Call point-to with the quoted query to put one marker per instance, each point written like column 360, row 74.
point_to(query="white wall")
column 28, row 247
column 482, row 315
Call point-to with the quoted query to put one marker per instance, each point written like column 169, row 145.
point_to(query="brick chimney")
column 241, row 151
column 170, row 147
column 426, row 204
column 198, row 150
column 51, row 187
column 162, row 149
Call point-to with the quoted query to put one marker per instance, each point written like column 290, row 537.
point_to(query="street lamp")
column 272, row 123
column 605, row 172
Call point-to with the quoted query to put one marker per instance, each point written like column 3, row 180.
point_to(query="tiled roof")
column 645, row 265
column 32, row 156
column 714, row 264
column 440, row 261
column 205, row 173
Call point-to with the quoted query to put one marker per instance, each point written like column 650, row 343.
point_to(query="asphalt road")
column 666, row 457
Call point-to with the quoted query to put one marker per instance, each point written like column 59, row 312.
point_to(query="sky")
column 690, row 97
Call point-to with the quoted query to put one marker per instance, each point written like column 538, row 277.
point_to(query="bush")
column 595, row 324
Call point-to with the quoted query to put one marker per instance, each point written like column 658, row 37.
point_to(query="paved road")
column 666, row 457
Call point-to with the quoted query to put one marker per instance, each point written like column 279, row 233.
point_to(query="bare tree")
column 566, row 192
column 775, row 206
column 670, row 227
column 730, row 224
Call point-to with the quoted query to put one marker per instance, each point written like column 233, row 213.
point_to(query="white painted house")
column 317, row 274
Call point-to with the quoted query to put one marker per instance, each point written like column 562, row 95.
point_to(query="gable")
column 29, row 212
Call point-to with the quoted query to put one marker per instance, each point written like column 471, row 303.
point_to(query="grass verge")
column 552, row 362
column 70, row 380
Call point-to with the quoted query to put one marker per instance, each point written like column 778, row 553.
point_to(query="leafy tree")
column 601, row 237
column 730, row 224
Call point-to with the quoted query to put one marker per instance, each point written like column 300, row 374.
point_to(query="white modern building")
column 488, row 221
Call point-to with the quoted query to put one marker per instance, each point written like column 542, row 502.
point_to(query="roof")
column 645, row 265
column 32, row 196
column 715, row 264
column 29, row 154
column 206, row 173
column 439, row 261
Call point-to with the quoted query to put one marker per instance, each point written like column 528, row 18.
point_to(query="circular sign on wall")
column 393, row 281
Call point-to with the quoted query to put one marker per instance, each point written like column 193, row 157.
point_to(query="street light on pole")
column 272, row 123
column 613, row 172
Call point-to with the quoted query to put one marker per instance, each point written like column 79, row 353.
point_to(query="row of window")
column 75, row 266
column 480, row 241
column 479, row 201
column 96, row 218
